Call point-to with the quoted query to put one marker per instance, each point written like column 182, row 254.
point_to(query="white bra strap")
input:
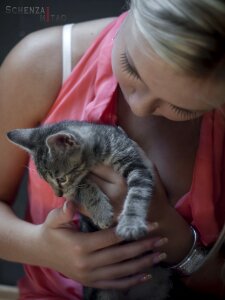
column 66, row 51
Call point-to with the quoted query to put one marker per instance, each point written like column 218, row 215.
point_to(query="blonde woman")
column 158, row 72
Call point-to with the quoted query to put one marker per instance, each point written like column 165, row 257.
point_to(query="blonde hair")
column 188, row 34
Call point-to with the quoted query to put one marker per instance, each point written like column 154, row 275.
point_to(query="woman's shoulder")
column 83, row 34
column 30, row 74
column 32, row 71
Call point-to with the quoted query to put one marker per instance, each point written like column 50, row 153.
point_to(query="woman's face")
column 152, row 87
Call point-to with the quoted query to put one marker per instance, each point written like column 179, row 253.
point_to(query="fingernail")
column 65, row 206
column 161, row 242
column 153, row 226
column 146, row 277
column 159, row 257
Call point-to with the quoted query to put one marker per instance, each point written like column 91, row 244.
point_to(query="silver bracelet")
column 195, row 258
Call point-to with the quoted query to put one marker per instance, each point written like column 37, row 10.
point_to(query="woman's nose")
column 150, row 103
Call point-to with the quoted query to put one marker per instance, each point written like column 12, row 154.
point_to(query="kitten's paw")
column 103, row 217
column 105, row 222
column 131, row 227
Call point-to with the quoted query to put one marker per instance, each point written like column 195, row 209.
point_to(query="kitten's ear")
column 62, row 142
column 22, row 138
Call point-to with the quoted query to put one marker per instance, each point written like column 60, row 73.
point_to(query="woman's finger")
column 106, row 173
column 127, row 251
column 116, row 192
column 128, row 268
column 58, row 217
column 107, row 237
column 123, row 283
column 102, row 239
column 103, row 184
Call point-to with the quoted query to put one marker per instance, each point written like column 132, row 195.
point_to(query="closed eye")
column 62, row 180
column 126, row 67
column 185, row 113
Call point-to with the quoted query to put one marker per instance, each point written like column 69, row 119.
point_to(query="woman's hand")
column 94, row 259
column 171, row 225
column 173, row 231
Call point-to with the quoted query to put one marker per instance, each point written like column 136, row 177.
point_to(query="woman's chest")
column 171, row 146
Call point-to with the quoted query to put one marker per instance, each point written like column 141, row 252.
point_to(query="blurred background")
column 17, row 19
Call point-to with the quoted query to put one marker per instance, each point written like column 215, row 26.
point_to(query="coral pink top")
column 90, row 94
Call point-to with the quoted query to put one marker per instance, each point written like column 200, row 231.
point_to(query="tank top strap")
column 66, row 51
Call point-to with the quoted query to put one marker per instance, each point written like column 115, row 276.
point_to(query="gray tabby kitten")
column 65, row 152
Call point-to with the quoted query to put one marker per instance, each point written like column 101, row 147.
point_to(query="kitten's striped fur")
column 65, row 152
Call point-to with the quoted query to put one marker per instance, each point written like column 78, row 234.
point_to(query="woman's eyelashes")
column 184, row 113
column 126, row 67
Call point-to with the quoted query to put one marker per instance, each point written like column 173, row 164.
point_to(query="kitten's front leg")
column 97, row 204
column 132, row 223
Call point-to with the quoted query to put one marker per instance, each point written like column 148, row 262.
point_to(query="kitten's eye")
column 63, row 180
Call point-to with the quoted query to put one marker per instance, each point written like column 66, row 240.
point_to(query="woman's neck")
column 170, row 145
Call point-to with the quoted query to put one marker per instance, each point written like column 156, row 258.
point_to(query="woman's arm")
column 30, row 80
column 26, row 92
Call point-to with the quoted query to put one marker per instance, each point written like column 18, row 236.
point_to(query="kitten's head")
column 58, row 154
